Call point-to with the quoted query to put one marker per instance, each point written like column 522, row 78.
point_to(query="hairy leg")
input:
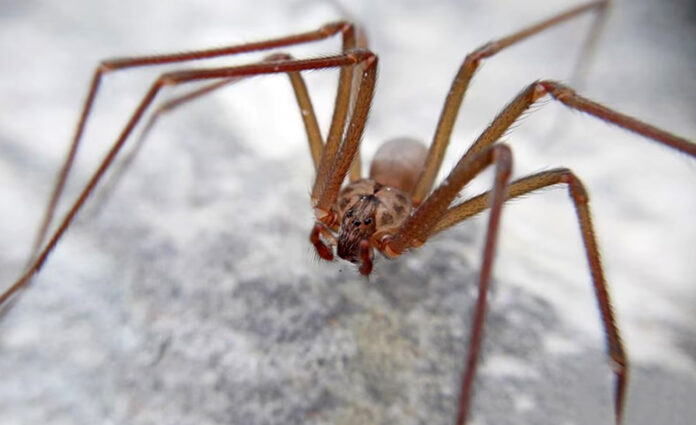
column 173, row 78
column 493, row 133
column 118, row 64
column 304, row 102
column 421, row 223
column 450, row 110
column 578, row 194
column 567, row 96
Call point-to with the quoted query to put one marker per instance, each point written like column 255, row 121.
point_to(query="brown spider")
column 379, row 213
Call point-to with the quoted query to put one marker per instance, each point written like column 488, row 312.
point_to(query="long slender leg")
column 493, row 133
column 344, row 60
column 430, row 217
column 316, row 142
column 495, row 130
column 349, row 147
column 338, row 122
column 420, row 225
column 309, row 117
column 108, row 186
column 361, row 43
column 567, row 96
column 578, row 194
column 455, row 96
column 112, row 65
column 304, row 102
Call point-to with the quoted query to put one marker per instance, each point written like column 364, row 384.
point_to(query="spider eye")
column 368, row 221
column 349, row 213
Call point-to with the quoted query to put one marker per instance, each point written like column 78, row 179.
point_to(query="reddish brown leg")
column 360, row 42
column 309, row 118
column 580, row 200
column 450, row 111
column 421, row 224
column 114, row 178
column 430, row 217
column 568, row 97
column 496, row 129
column 415, row 231
column 365, row 257
column 344, row 60
column 316, row 142
column 111, row 65
column 324, row 251
column 342, row 106
column 343, row 159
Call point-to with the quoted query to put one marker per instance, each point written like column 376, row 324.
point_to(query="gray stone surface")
column 193, row 296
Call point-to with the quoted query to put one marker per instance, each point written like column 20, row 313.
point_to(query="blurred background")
column 193, row 296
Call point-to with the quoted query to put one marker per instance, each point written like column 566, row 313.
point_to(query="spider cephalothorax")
column 368, row 211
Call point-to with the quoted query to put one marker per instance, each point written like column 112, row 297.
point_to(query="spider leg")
column 366, row 256
column 493, row 133
column 568, row 97
column 361, row 43
column 455, row 96
column 431, row 217
column 343, row 60
column 309, row 119
column 420, row 225
column 342, row 106
column 108, row 186
column 111, row 65
column 324, row 251
column 578, row 194
column 343, row 159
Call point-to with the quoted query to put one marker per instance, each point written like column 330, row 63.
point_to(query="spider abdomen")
column 398, row 163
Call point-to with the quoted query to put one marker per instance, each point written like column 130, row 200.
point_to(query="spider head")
column 357, row 224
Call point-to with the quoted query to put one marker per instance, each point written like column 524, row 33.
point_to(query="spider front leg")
column 306, row 108
column 324, row 250
column 340, row 160
column 354, row 133
column 347, row 31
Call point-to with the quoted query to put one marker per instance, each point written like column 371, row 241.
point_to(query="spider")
column 333, row 213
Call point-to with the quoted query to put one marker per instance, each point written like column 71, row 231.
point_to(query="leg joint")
column 335, row 27
column 575, row 187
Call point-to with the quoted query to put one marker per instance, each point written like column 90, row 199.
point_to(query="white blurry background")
column 195, row 297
